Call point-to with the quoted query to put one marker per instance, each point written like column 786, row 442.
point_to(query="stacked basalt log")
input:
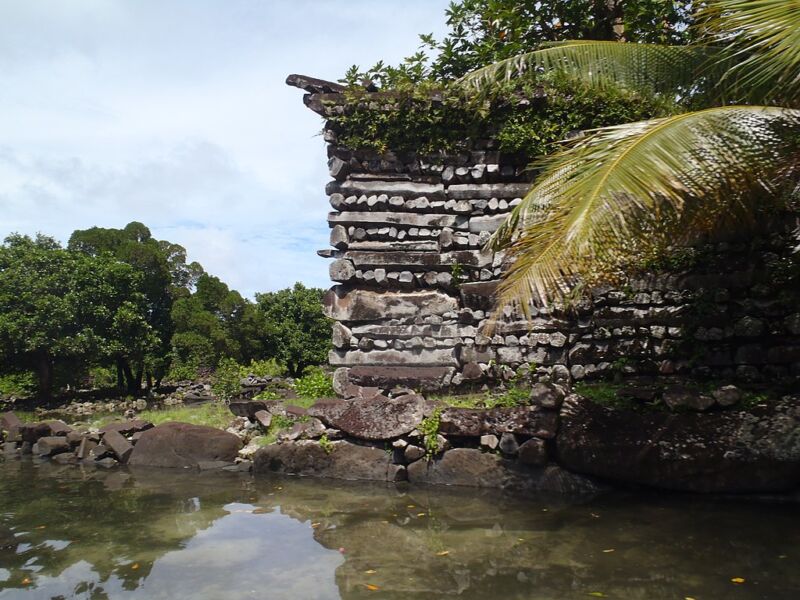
column 415, row 286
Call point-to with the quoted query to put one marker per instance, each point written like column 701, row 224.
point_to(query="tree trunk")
column 44, row 371
column 120, row 376
column 609, row 19
column 138, row 379
column 615, row 12
column 130, row 380
column 149, row 380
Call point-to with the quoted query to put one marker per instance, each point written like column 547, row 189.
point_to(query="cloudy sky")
column 175, row 113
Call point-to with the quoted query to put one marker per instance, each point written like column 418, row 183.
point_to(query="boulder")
column 263, row 418
column 509, row 444
column 127, row 427
column 376, row 418
column 677, row 397
column 547, row 395
column 343, row 304
column 52, row 445
column 177, row 445
column 522, row 420
column 754, row 450
column 533, row 452
column 118, row 445
column 727, row 395
column 58, row 428
column 387, row 377
column 9, row 420
column 31, row 432
column 248, row 409
column 343, row 460
column 473, row 468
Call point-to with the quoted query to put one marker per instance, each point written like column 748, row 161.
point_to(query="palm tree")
column 620, row 192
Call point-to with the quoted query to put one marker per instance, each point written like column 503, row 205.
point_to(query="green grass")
column 210, row 414
column 516, row 395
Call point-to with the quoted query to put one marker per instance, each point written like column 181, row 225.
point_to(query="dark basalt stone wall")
column 414, row 287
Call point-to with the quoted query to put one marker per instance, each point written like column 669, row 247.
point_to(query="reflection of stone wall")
column 414, row 287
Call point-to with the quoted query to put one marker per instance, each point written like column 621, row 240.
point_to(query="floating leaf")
column 421, row 514
column 135, row 566
column 26, row 581
column 370, row 571
column 597, row 594
column 41, row 526
column 688, row 598
column 737, row 580
column 443, row 553
column 607, row 550
column 411, row 506
column 315, row 525
column 372, row 588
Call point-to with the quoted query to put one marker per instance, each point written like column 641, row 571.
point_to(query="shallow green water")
column 66, row 532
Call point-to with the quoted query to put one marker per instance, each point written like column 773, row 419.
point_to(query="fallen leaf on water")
column 260, row 511
column 372, row 588
column 370, row 571
column 737, row 580
column 782, row 556
column 597, row 594
column 688, row 598
column 135, row 566
column 608, row 550
column 595, row 515
column 315, row 524
column 410, row 506
column 443, row 553
column 41, row 526
column 420, row 514
column 520, row 539
column 26, row 581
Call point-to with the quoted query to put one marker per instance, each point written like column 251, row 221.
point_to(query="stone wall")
column 414, row 287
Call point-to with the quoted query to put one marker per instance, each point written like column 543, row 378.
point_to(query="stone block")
column 347, row 304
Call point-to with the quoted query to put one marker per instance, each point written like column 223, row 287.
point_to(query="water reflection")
column 72, row 533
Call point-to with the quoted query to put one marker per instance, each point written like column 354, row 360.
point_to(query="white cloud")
column 175, row 113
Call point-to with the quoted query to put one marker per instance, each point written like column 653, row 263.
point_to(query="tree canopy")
column 119, row 299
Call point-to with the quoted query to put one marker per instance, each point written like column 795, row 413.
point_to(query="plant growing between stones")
column 430, row 432
column 326, row 444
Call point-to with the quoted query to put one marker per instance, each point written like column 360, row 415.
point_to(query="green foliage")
column 516, row 395
column 268, row 367
column 267, row 395
column 61, row 305
column 430, row 118
column 19, row 385
column 100, row 377
column 482, row 32
column 299, row 331
column 326, row 444
column 430, row 431
column 316, row 384
column 226, row 380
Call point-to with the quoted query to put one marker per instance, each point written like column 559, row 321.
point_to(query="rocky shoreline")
column 559, row 442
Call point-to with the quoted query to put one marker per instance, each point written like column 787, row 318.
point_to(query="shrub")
column 21, row 384
column 316, row 384
column 225, row 382
column 263, row 368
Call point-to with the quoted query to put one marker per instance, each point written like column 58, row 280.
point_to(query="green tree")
column 216, row 322
column 300, row 330
column 60, row 305
column 482, row 32
column 165, row 275
column 633, row 189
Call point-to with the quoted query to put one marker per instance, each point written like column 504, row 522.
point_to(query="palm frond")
column 765, row 37
column 618, row 189
column 653, row 68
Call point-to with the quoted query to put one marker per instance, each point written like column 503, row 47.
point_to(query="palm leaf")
column 618, row 190
column 764, row 35
column 652, row 68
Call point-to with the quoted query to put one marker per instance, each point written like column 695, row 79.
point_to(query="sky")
column 175, row 113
